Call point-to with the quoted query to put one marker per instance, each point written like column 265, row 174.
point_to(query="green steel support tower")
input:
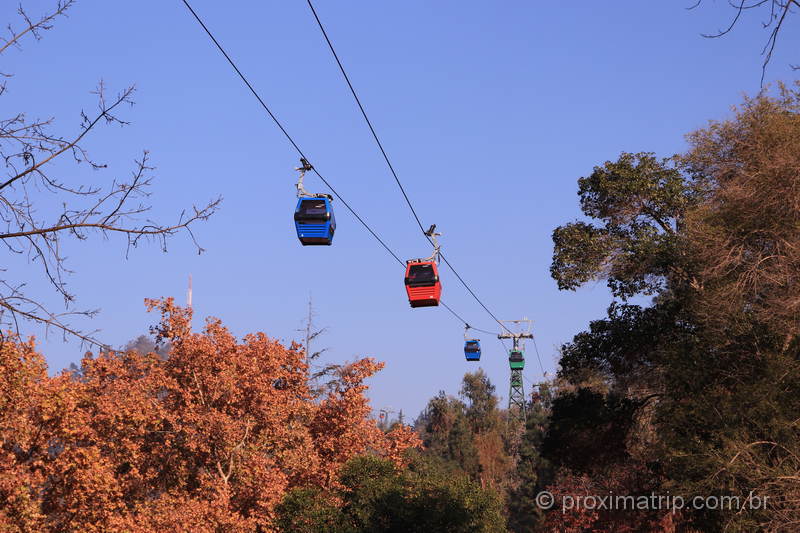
column 516, row 362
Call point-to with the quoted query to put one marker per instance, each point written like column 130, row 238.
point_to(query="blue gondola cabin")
column 472, row 350
column 422, row 284
column 314, row 220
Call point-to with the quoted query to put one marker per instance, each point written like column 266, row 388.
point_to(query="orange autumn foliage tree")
column 209, row 438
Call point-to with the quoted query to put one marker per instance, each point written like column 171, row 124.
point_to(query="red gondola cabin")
column 422, row 283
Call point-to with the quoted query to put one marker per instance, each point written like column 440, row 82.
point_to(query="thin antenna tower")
column 189, row 293
column 308, row 324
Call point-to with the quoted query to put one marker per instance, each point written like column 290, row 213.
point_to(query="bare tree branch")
column 139, row 231
column 105, row 113
column 34, row 28
column 15, row 304
column 773, row 37
column 778, row 11
column 30, row 221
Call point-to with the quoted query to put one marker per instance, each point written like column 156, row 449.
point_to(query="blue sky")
column 490, row 112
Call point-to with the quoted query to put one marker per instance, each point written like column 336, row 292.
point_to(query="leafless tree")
column 776, row 12
column 32, row 182
column 745, row 236
column 767, row 471
column 324, row 377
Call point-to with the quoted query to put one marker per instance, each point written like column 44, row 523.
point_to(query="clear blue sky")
column 490, row 112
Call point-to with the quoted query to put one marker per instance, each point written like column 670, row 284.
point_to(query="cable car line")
column 300, row 152
column 484, row 331
column 464, row 283
column 286, row 133
column 364, row 114
column 536, row 349
column 389, row 163
column 454, row 313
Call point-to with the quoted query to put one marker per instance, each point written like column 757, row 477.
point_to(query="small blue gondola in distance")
column 472, row 350
column 314, row 220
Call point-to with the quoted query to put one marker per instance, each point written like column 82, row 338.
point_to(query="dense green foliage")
column 637, row 201
column 701, row 389
column 472, row 435
column 428, row 496
column 533, row 471
column 697, row 392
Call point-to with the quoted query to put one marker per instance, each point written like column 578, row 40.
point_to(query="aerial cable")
column 389, row 163
column 538, row 358
column 286, row 133
column 468, row 326
column 364, row 114
column 484, row 331
column 451, row 311
column 464, row 283
column 295, row 145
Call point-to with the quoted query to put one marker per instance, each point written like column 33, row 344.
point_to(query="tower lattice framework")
column 516, row 363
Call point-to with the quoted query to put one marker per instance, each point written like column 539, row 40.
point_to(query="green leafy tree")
column 429, row 496
column 472, row 433
column 704, row 383
column 307, row 510
column 534, row 471
column 623, row 350
column 495, row 441
column 638, row 203
column 588, row 430
column 481, row 401
column 446, row 433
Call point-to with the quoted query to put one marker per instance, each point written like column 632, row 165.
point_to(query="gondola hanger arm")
column 304, row 167
column 431, row 234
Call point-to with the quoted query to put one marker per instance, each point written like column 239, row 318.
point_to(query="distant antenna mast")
column 189, row 293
